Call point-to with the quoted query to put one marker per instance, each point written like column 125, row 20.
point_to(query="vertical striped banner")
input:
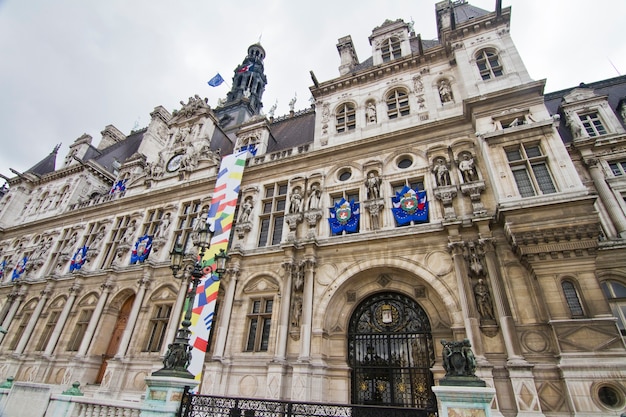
column 221, row 214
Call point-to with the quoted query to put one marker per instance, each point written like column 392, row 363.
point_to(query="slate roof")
column 46, row 165
column 292, row 131
column 119, row 151
column 614, row 88
column 465, row 12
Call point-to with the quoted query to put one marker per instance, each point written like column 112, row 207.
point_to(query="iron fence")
column 194, row 405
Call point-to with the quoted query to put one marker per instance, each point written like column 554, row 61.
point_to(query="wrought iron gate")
column 390, row 351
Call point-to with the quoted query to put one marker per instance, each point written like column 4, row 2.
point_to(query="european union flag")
column 217, row 80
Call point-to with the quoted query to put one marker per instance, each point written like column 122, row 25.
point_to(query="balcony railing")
column 194, row 405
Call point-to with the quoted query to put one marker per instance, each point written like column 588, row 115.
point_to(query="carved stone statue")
column 468, row 170
column 246, row 210
column 314, row 197
column 370, row 112
column 445, row 92
column 483, row 300
column 164, row 226
column 295, row 202
column 442, row 174
column 373, row 185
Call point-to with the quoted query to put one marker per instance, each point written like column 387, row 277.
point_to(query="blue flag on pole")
column 217, row 80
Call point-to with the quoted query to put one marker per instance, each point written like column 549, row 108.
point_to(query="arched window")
column 572, row 299
column 390, row 49
column 397, row 103
column 346, row 118
column 488, row 64
column 615, row 292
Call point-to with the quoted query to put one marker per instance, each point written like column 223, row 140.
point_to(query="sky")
column 69, row 67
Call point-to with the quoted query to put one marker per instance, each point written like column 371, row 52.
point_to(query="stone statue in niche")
column 164, row 226
column 442, row 174
column 445, row 92
column 467, row 168
column 246, row 210
column 129, row 233
column 296, row 311
column 373, row 185
column 295, row 201
column 483, row 300
column 314, row 197
column 370, row 112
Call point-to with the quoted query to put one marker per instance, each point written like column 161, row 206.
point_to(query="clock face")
column 174, row 163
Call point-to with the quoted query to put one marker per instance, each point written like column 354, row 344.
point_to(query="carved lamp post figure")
column 178, row 356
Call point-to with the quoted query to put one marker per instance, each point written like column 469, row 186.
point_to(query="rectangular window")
column 20, row 330
column 124, row 231
column 53, row 318
column 157, row 327
column 186, row 223
column 79, row 330
column 260, row 321
column 618, row 168
column 592, row 124
column 272, row 218
column 530, row 170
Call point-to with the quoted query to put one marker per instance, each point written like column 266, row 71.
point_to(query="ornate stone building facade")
column 432, row 192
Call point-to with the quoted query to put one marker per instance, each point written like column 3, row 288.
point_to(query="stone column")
column 501, row 302
column 285, row 312
column 58, row 328
column 134, row 313
column 608, row 198
column 95, row 318
column 307, row 309
column 225, row 312
column 28, row 331
column 15, row 298
column 470, row 315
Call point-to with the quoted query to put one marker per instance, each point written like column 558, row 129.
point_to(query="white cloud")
column 71, row 67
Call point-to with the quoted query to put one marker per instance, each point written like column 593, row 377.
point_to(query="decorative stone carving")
column 374, row 208
column 469, row 172
column 459, row 363
column 372, row 183
column 370, row 112
column 446, row 194
column 313, row 199
column 445, row 91
column 442, row 172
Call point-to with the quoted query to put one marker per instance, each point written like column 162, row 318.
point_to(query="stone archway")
column 390, row 352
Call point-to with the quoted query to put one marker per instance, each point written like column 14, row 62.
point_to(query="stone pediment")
column 262, row 284
column 580, row 94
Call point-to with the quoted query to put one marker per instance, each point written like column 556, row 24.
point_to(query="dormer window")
column 345, row 117
column 488, row 64
column 397, row 103
column 390, row 49
column 592, row 124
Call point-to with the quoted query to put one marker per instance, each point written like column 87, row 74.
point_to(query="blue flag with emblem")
column 344, row 216
column 409, row 205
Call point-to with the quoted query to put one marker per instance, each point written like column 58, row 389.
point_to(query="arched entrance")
column 390, row 351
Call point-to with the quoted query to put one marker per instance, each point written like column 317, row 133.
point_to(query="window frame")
column 616, row 302
column 80, row 328
column 258, row 336
column 345, row 117
column 572, row 298
column 593, row 124
column 531, row 171
column 398, row 105
column 272, row 217
column 488, row 64
column 390, row 49
column 157, row 327
column 618, row 168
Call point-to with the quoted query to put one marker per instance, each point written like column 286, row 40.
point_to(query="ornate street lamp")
column 178, row 354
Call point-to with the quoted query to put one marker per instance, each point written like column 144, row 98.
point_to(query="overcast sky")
column 69, row 67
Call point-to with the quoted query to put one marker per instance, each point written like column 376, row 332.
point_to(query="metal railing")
column 194, row 405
